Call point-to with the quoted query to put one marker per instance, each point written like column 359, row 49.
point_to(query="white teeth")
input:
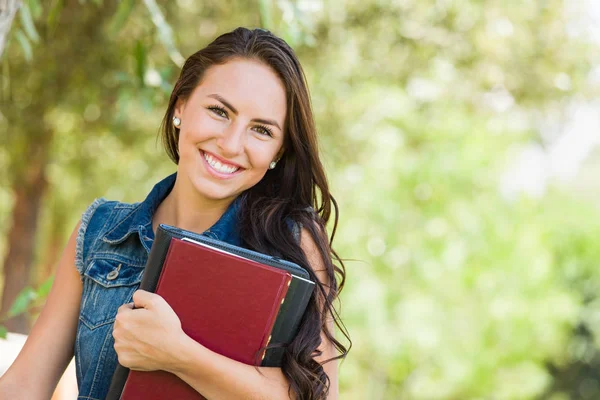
column 222, row 168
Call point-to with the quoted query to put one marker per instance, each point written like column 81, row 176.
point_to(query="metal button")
column 114, row 273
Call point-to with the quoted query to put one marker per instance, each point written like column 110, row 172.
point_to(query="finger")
column 144, row 299
column 115, row 336
column 124, row 307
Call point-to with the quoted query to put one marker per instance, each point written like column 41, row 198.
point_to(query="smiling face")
column 231, row 128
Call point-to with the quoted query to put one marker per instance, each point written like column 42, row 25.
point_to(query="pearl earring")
column 176, row 122
column 272, row 165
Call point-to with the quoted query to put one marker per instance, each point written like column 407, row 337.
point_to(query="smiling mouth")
column 219, row 166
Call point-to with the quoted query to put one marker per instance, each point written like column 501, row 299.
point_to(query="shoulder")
column 312, row 250
column 92, row 218
column 99, row 218
column 104, row 206
column 103, row 213
column 297, row 227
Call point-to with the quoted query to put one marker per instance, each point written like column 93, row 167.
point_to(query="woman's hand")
column 146, row 337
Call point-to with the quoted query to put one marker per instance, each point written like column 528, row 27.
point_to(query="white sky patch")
column 152, row 77
column 535, row 166
column 423, row 89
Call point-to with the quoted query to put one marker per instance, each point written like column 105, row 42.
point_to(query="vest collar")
column 139, row 219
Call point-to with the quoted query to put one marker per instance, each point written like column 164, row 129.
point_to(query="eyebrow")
column 235, row 111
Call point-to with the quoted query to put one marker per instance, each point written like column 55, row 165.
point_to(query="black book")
column 289, row 316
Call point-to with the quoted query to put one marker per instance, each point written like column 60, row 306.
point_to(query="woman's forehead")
column 247, row 85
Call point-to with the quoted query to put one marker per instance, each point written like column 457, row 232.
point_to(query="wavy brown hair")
column 295, row 190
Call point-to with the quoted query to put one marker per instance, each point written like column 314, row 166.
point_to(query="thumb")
column 143, row 299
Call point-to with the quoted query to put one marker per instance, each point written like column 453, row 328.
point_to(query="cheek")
column 187, row 146
column 198, row 129
column 261, row 154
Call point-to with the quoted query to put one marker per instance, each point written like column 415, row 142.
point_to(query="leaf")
column 165, row 33
column 5, row 82
column 36, row 8
column 140, row 61
column 22, row 301
column 28, row 25
column 25, row 45
column 166, row 75
column 45, row 287
column 120, row 18
column 266, row 13
column 3, row 332
column 53, row 15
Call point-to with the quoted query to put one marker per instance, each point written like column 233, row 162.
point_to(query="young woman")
column 240, row 128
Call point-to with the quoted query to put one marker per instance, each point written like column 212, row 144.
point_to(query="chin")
column 213, row 191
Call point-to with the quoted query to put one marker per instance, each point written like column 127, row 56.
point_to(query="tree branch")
column 8, row 10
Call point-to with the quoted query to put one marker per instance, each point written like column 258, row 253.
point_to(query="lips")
column 219, row 165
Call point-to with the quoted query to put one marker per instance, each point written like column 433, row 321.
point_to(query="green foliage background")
column 454, row 291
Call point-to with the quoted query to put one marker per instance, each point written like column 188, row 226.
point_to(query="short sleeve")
column 80, row 244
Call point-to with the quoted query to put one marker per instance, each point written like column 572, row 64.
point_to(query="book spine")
column 282, row 292
column 288, row 322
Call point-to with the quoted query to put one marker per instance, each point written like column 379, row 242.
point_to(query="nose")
column 232, row 140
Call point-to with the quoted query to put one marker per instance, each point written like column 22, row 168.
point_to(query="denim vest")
column 113, row 244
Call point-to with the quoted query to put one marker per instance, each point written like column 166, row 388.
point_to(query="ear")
column 280, row 154
column 179, row 107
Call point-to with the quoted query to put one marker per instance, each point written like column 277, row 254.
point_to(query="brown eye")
column 263, row 130
column 220, row 111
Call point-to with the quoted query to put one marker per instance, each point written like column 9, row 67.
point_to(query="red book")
column 225, row 302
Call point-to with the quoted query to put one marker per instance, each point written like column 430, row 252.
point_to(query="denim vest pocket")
column 108, row 284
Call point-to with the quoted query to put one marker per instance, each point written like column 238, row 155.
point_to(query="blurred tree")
column 423, row 103
column 576, row 253
column 8, row 10
column 52, row 85
column 463, row 293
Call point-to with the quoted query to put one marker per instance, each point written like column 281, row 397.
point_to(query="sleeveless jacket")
column 113, row 244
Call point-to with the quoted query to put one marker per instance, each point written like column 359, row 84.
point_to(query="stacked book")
column 231, row 300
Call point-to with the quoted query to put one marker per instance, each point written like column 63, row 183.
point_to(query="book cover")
column 225, row 302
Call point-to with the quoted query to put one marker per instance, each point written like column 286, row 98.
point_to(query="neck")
column 186, row 209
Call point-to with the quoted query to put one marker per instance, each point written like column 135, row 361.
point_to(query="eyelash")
column 218, row 109
column 266, row 130
column 221, row 112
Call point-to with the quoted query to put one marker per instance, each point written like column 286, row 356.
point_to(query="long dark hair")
column 295, row 190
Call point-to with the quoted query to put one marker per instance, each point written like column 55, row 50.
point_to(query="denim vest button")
column 114, row 273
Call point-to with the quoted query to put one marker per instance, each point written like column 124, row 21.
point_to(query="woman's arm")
column 221, row 378
column 331, row 368
column 49, row 347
